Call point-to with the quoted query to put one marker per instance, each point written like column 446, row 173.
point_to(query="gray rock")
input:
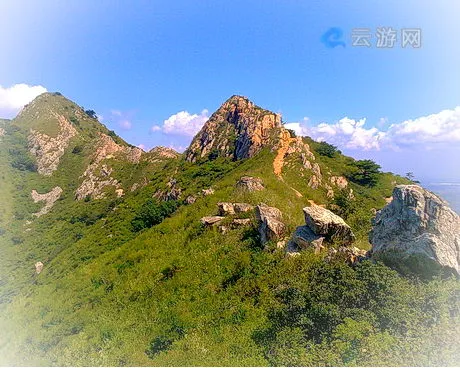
column 417, row 231
column 241, row 222
column 324, row 222
column 226, row 208
column 270, row 225
column 250, row 184
column 211, row 220
column 190, row 199
column 304, row 238
column 243, row 207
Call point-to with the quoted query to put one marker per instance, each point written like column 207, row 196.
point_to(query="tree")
column 410, row 176
column 365, row 172
column 91, row 113
column 326, row 149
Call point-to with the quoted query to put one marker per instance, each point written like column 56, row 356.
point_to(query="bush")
column 151, row 213
column 22, row 161
column 77, row 149
column 326, row 149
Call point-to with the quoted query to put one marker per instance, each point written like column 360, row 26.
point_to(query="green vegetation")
column 137, row 281
column 152, row 213
column 326, row 149
column 364, row 172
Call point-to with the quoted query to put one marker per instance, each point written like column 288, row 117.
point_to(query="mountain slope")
column 167, row 290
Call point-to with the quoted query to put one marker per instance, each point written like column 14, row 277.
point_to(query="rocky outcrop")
column 49, row 199
column 227, row 208
column 158, row 154
column 271, row 227
column 238, row 129
column 48, row 150
column 350, row 255
column 304, row 238
column 241, row 222
column 2, row 132
column 325, row 223
column 250, row 184
column 339, row 181
column 97, row 176
column 287, row 146
column 211, row 220
column 417, row 231
column 315, row 179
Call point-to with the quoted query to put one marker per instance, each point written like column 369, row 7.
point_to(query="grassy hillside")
column 178, row 293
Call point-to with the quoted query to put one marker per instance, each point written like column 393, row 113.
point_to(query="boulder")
column 207, row 192
column 226, row 208
column 241, row 222
column 190, row 199
column 270, row 225
column 38, row 267
column 417, row 231
column 211, row 220
column 242, row 207
column 304, row 238
column 250, row 184
column 324, row 222
column 350, row 255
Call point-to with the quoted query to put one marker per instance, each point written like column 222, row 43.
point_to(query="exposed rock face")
column 250, row 184
column 2, row 132
column 97, row 177
column 339, row 181
column 49, row 150
column 211, row 220
column 304, row 238
column 227, row 208
column 315, row 179
column 270, row 225
column 238, row 129
column 323, row 222
column 38, row 267
column 288, row 145
column 159, row 153
column 49, row 199
column 418, row 230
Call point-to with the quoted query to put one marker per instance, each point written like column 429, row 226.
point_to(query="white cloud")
column 125, row 124
column 426, row 131
column 183, row 123
column 142, row 146
column 12, row 99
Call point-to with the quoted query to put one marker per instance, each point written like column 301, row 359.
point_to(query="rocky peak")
column 238, row 129
column 418, row 231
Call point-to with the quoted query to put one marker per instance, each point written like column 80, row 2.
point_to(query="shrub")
column 152, row 213
column 77, row 149
column 326, row 149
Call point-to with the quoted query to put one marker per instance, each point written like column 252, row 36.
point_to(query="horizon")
column 154, row 73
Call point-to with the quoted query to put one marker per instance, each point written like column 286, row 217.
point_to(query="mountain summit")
column 238, row 129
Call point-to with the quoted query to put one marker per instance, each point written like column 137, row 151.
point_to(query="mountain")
column 114, row 256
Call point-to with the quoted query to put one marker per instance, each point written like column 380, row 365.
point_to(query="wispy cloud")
column 182, row 123
column 425, row 131
column 122, row 119
column 13, row 98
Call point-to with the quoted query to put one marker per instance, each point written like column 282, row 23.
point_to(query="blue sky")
column 155, row 70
